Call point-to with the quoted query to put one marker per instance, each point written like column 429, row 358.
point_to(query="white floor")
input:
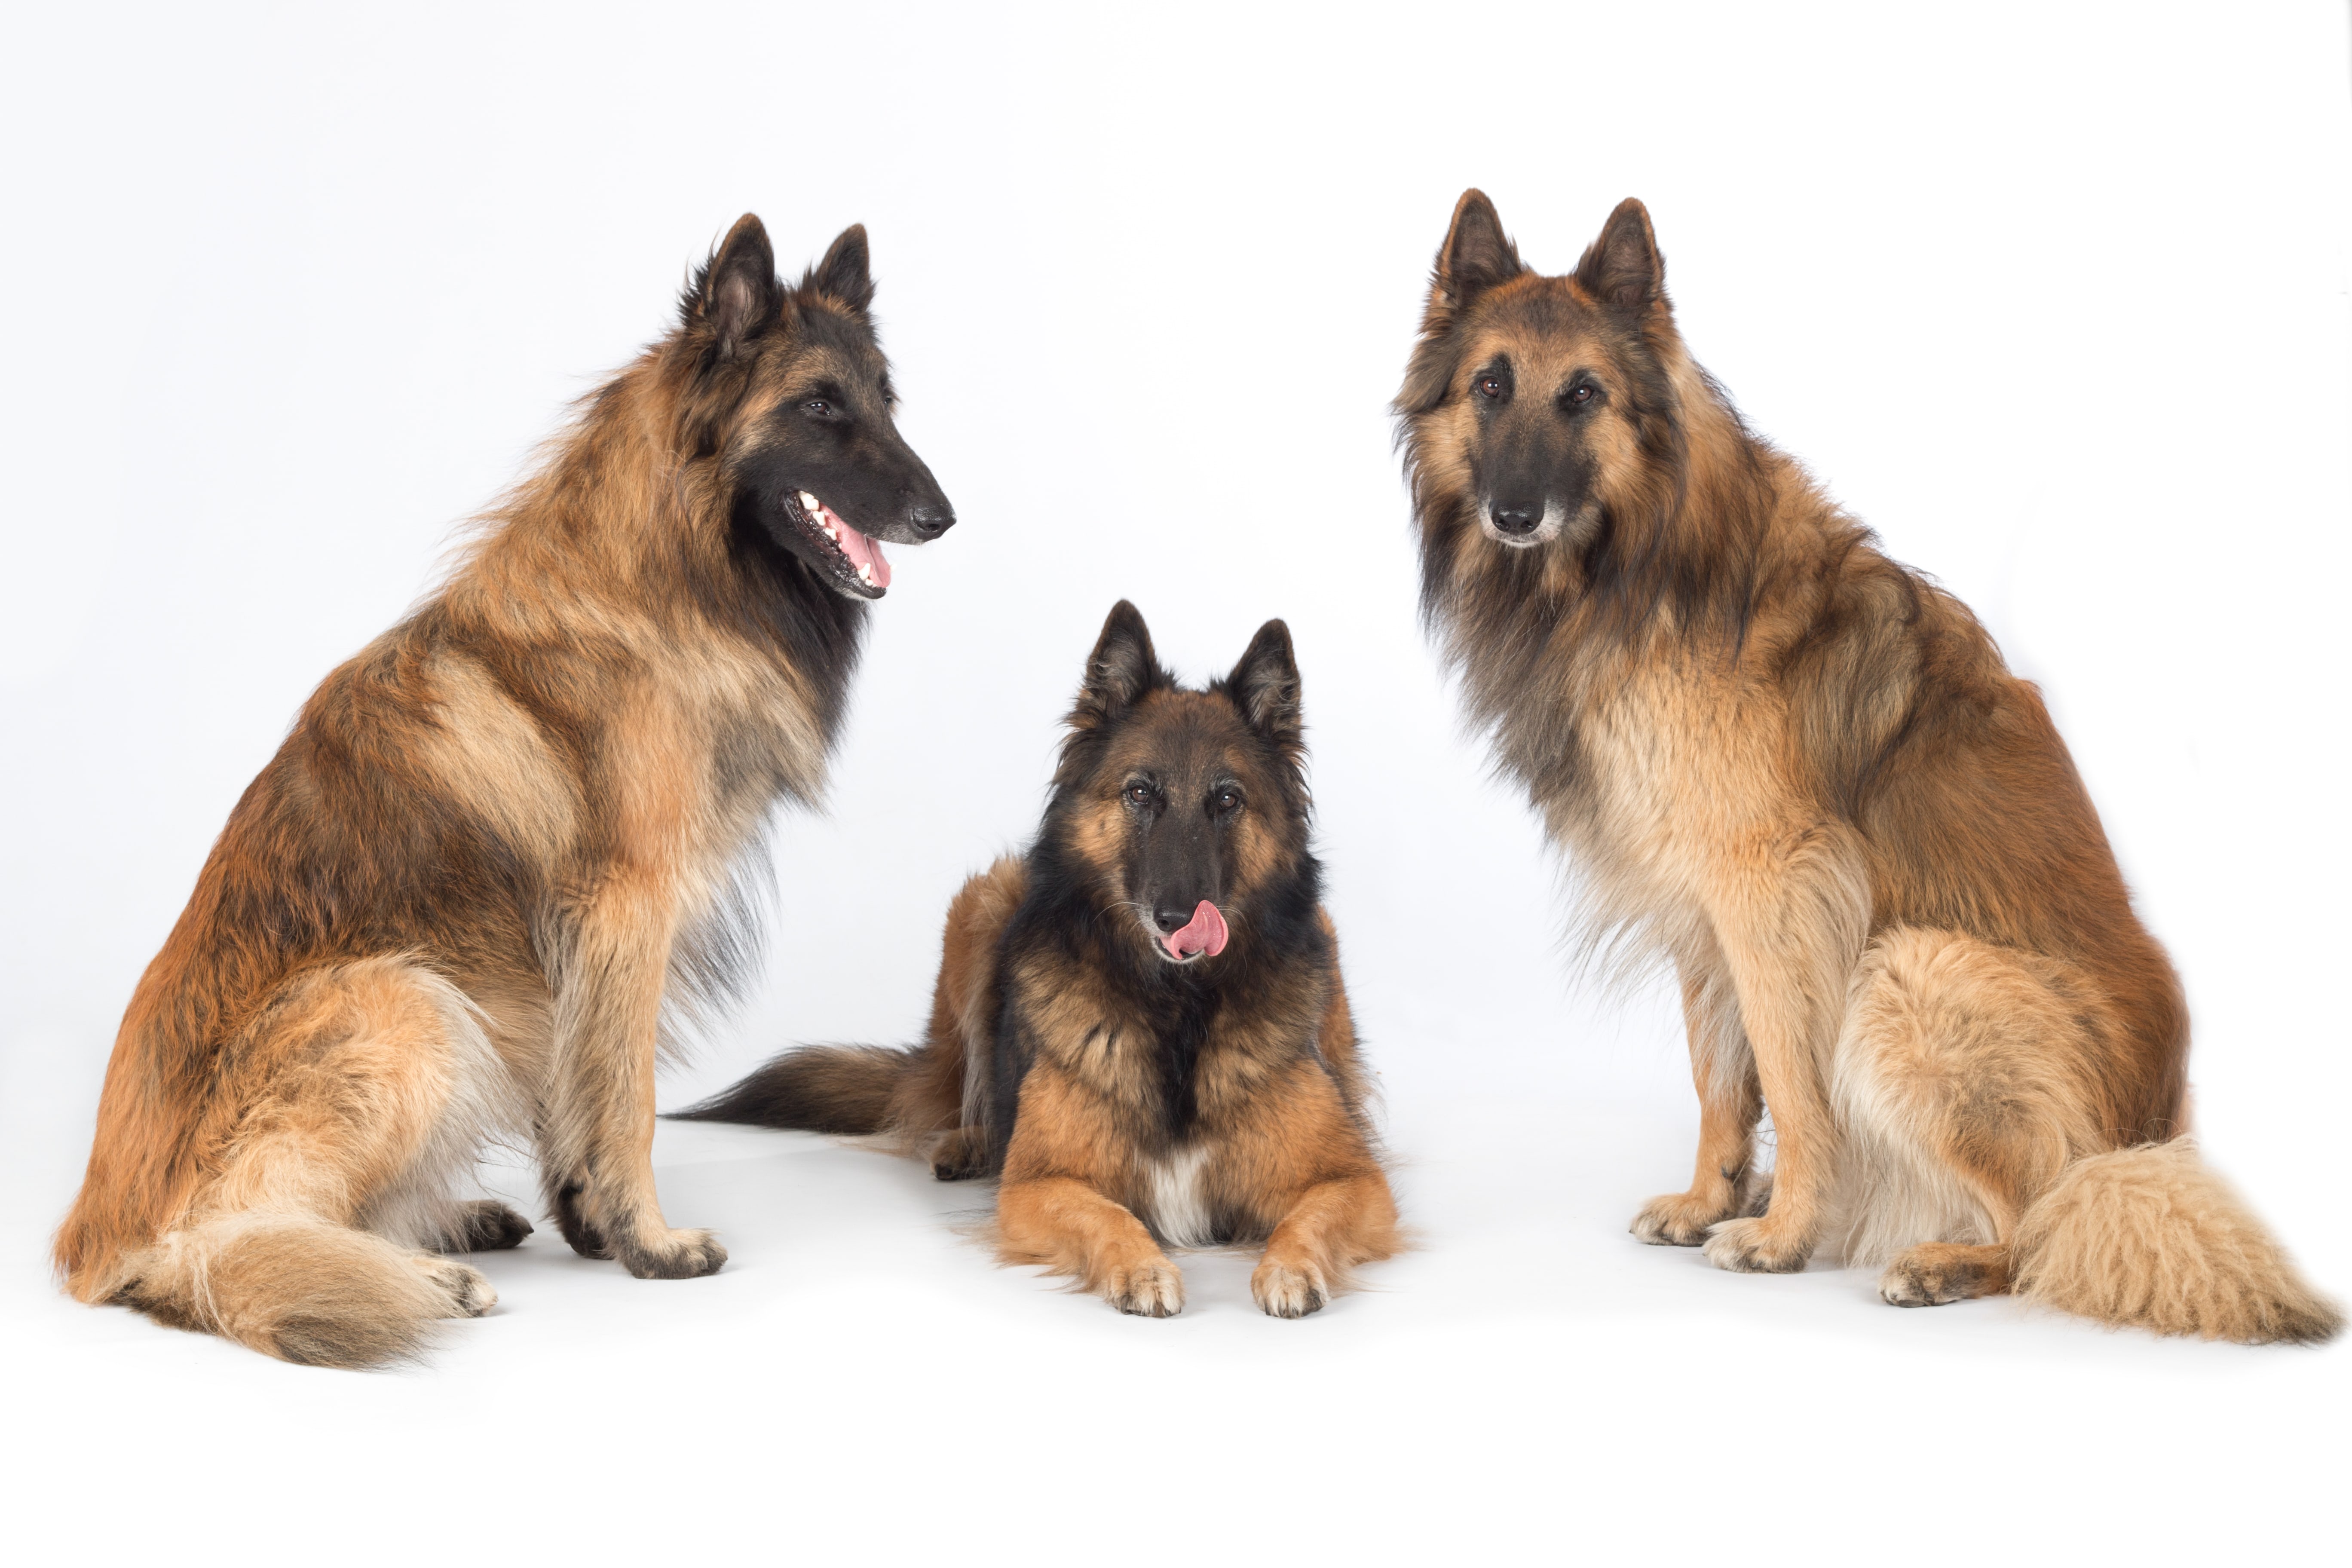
column 861, row 1383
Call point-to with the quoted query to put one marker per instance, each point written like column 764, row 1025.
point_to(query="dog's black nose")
column 1516, row 521
column 930, row 520
column 1169, row 920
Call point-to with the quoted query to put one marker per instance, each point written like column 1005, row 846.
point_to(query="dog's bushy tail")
column 302, row 1288
column 843, row 1089
column 2151, row 1237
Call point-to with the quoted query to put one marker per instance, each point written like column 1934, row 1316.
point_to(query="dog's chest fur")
column 1172, row 1195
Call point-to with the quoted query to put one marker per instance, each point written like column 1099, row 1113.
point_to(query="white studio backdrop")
column 2056, row 299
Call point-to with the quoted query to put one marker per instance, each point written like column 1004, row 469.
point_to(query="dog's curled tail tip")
column 2151, row 1237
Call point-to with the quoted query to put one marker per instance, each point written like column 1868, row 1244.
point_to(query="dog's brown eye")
column 1227, row 800
column 1140, row 794
column 1580, row 394
column 1489, row 386
column 818, row 407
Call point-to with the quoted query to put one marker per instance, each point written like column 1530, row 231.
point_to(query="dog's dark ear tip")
column 1265, row 684
column 736, row 293
column 1478, row 255
column 1122, row 667
column 1622, row 266
column 846, row 271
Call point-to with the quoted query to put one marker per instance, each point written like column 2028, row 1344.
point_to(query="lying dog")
column 1139, row 1025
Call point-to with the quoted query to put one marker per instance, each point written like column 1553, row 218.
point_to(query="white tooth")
column 810, row 502
column 866, row 573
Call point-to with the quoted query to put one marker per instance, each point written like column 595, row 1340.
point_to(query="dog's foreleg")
column 597, row 1126
column 1791, row 915
column 1071, row 1228
column 1730, row 1103
column 1333, row 1226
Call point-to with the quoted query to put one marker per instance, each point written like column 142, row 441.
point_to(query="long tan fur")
column 1800, row 772
column 493, row 845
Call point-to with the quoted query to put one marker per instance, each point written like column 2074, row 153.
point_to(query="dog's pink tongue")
column 861, row 550
column 1204, row 933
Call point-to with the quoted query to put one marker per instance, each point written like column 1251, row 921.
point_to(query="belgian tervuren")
column 454, row 902
column 1139, row 1025
column 1802, row 773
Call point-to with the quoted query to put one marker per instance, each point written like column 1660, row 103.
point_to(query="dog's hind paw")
column 1288, row 1290
column 485, row 1225
column 470, row 1293
column 960, row 1156
column 1151, row 1289
column 1941, row 1273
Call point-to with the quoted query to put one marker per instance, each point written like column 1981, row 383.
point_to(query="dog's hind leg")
column 1730, row 1103
column 1956, row 1079
column 483, row 1225
column 373, row 1081
column 961, row 1155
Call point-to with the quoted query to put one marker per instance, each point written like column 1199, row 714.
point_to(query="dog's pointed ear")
column 1122, row 667
column 1477, row 256
column 1623, row 268
column 736, row 296
column 844, row 273
column 1265, row 687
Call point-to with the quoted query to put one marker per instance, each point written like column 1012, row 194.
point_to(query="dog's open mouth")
column 1205, row 934
column 858, row 562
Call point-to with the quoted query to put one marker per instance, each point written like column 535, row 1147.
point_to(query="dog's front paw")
column 672, row 1255
column 1288, row 1289
column 580, row 1233
column 1756, row 1247
column 1677, row 1219
column 1152, row 1288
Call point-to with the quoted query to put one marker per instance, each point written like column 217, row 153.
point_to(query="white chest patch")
column 1172, row 1190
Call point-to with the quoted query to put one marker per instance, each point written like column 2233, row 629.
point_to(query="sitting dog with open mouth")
column 500, row 839
column 1139, row 1025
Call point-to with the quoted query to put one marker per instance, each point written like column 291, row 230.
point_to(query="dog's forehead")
column 1185, row 735
column 824, row 344
column 1544, row 329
